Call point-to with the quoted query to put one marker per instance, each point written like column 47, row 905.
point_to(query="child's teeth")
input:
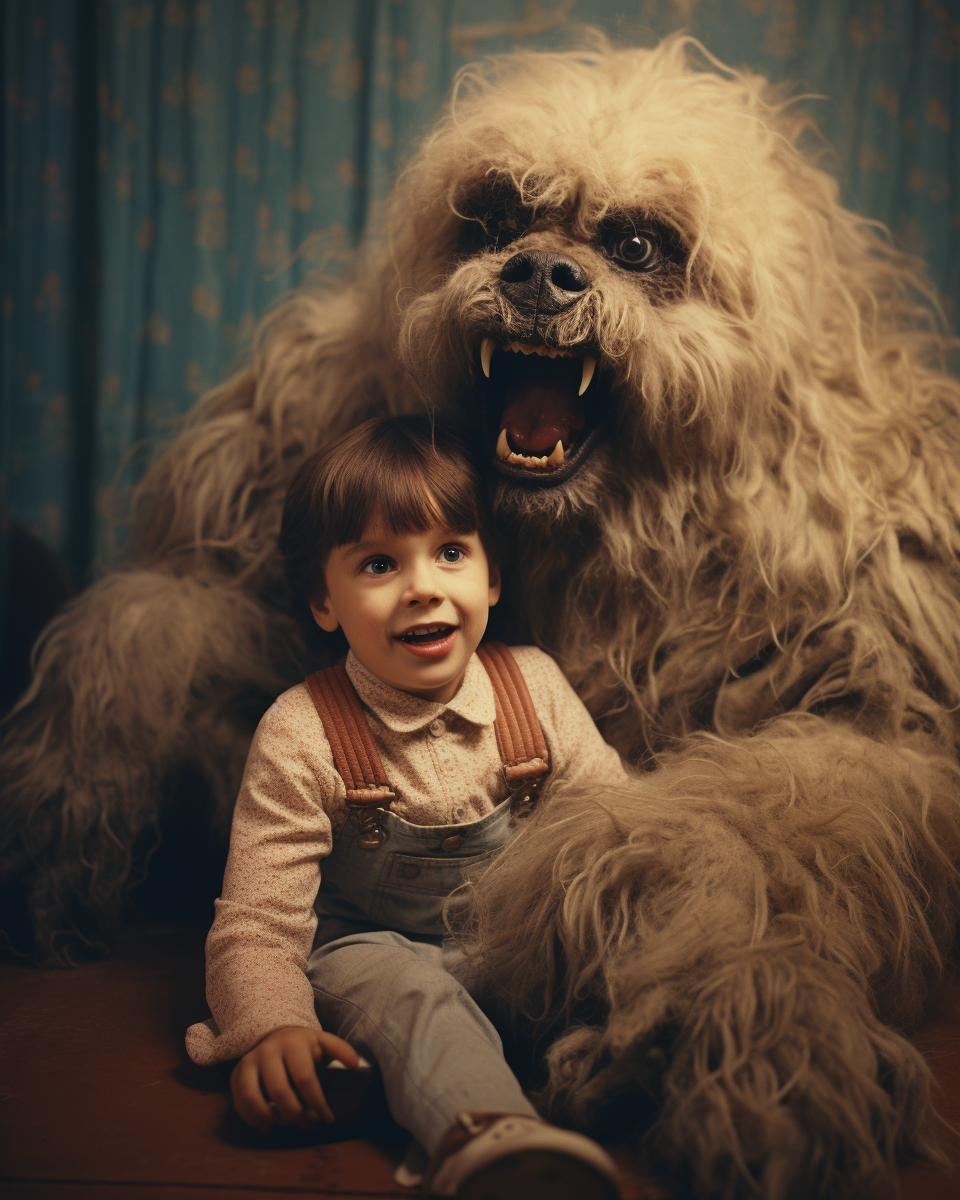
column 426, row 631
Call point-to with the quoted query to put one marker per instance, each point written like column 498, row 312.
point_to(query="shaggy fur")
column 751, row 579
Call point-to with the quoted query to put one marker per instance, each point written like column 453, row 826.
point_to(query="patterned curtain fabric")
column 172, row 167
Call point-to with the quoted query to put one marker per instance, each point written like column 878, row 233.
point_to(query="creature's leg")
column 732, row 933
column 393, row 1001
column 142, row 672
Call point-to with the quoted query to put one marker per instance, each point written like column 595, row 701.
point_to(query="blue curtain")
column 171, row 167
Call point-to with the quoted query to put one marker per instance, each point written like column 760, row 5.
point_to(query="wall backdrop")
column 172, row 167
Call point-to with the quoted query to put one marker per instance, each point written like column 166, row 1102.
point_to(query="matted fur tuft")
column 710, row 951
column 752, row 581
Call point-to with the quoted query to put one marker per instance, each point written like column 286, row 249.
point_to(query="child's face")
column 413, row 606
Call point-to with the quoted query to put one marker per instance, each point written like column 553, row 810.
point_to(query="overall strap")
column 520, row 741
column 354, row 754
column 519, row 736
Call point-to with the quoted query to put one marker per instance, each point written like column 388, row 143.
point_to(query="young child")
column 328, row 936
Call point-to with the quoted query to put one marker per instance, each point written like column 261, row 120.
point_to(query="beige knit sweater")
column 442, row 762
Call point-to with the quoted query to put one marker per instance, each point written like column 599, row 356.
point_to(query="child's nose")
column 423, row 586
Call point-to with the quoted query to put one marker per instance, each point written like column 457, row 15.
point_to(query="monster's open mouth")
column 542, row 406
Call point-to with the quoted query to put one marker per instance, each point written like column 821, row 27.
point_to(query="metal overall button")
column 451, row 843
column 524, row 802
column 371, row 833
column 409, row 870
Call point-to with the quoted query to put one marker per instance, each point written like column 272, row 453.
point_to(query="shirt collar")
column 404, row 713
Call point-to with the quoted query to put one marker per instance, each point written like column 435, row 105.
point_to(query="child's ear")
column 324, row 615
column 493, row 595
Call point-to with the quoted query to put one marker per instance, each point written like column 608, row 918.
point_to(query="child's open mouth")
column 429, row 641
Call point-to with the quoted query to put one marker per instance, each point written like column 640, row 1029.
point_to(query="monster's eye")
column 504, row 221
column 641, row 243
column 504, row 225
column 637, row 251
column 493, row 220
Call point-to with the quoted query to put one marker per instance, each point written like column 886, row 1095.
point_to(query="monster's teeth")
column 589, row 366
column 556, row 458
column 487, row 347
column 503, row 449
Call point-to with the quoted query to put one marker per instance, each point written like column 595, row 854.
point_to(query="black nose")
column 537, row 281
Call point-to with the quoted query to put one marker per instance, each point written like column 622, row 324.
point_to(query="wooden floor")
column 98, row 1100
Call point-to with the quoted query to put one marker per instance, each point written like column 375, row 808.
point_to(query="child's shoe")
column 505, row 1156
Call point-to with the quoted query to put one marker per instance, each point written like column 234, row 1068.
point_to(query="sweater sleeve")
column 265, row 922
column 577, row 751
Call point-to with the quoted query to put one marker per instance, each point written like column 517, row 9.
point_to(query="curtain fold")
column 49, row 242
column 173, row 167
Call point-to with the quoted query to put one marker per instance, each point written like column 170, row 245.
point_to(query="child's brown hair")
column 407, row 473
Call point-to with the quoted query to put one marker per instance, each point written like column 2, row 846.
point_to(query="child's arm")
column 276, row 1082
column 265, row 922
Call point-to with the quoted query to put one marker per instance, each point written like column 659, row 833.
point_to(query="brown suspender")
column 354, row 754
column 519, row 736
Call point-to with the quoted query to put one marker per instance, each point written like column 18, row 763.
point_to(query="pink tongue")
column 536, row 417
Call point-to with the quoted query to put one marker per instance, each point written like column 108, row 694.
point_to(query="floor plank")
column 84, row 1189
column 939, row 1039
column 97, row 1087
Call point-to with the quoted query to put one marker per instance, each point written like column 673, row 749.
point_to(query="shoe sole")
column 537, row 1175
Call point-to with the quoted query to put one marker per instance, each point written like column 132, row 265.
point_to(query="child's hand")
column 276, row 1082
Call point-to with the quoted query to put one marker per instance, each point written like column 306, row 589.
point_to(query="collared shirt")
column 443, row 764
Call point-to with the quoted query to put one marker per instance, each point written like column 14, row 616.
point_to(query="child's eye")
column 451, row 554
column 377, row 566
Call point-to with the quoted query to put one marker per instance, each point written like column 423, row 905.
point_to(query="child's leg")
column 392, row 1000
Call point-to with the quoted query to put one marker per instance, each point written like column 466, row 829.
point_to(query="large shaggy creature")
column 725, row 455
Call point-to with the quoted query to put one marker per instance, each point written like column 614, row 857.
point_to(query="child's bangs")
column 401, row 474
column 413, row 496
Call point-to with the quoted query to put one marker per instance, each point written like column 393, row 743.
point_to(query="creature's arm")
column 167, row 667
column 265, row 922
column 770, row 897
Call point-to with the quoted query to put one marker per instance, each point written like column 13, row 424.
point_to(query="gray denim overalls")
column 386, row 871
column 380, row 976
